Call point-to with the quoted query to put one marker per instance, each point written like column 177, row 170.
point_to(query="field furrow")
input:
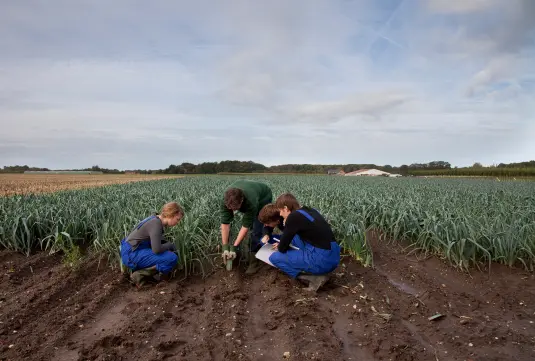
column 361, row 313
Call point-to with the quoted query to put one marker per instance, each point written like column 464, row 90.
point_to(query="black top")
column 317, row 232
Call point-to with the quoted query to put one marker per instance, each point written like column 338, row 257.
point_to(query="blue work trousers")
column 256, row 236
column 308, row 259
column 144, row 257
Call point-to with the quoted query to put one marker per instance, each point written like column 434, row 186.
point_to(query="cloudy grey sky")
column 144, row 84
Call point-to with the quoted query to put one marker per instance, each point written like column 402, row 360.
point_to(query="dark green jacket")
column 256, row 196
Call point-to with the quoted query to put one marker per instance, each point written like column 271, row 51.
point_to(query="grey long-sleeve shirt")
column 151, row 230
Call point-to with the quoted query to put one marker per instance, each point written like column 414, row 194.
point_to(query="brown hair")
column 171, row 209
column 233, row 198
column 287, row 200
column 269, row 214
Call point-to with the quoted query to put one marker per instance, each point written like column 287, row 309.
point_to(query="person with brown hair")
column 317, row 251
column 247, row 197
column 145, row 252
column 270, row 216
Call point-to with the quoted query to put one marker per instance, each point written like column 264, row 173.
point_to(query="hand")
column 225, row 254
column 275, row 246
column 232, row 253
column 265, row 239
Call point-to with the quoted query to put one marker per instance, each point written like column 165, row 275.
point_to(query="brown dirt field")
column 11, row 184
column 48, row 312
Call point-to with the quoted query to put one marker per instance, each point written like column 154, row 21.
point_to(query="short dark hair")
column 269, row 214
column 287, row 200
column 233, row 198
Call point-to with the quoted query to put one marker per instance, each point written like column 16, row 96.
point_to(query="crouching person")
column 317, row 252
column 145, row 250
column 270, row 217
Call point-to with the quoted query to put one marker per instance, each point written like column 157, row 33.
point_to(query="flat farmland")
column 11, row 184
column 432, row 269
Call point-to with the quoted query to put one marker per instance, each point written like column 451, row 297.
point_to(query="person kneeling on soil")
column 145, row 250
column 306, row 229
column 270, row 216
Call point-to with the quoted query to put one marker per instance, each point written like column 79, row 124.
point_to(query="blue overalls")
column 143, row 257
column 308, row 258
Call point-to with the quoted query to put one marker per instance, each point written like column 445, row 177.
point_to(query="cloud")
column 498, row 69
column 208, row 80
column 477, row 23
column 459, row 7
column 372, row 104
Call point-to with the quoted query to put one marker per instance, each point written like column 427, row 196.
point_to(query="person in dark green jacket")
column 247, row 197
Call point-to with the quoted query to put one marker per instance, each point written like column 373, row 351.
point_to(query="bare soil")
column 11, row 184
column 50, row 312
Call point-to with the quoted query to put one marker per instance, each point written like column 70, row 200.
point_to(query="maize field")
column 466, row 222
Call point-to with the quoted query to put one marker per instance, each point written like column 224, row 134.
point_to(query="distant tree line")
column 96, row 168
column 478, row 172
column 227, row 166
column 25, row 168
column 21, row 169
column 439, row 168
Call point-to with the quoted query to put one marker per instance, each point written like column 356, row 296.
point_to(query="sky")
column 133, row 84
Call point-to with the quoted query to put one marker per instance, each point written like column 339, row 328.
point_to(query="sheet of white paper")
column 266, row 251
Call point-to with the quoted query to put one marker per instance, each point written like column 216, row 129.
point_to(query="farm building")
column 335, row 172
column 368, row 172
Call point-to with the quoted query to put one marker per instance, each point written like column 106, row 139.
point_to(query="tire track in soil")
column 83, row 324
column 371, row 318
column 478, row 310
column 101, row 326
column 181, row 321
column 138, row 326
column 283, row 318
column 265, row 337
column 348, row 332
column 53, row 306
column 190, row 325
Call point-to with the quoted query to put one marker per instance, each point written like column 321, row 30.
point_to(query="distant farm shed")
column 368, row 172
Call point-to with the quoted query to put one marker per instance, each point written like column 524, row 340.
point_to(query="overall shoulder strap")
column 305, row 213
column 145, row 221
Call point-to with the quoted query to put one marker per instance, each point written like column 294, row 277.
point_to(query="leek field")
column 467, row 222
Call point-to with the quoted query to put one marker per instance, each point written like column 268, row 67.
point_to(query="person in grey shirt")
column 145, row 251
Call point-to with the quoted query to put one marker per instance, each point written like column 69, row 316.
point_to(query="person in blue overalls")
column 315, row 251
column 145, row 252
